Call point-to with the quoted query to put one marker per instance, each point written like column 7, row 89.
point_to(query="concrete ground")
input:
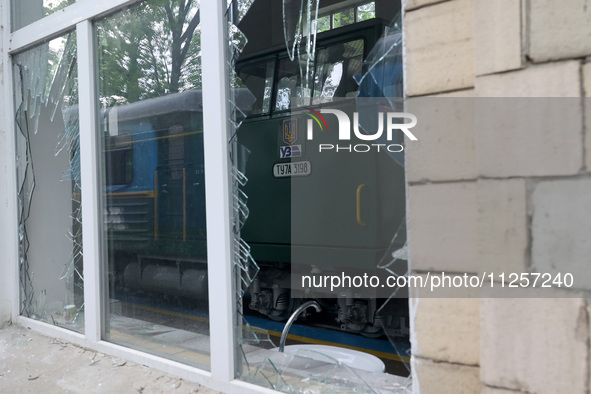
column 33, row 363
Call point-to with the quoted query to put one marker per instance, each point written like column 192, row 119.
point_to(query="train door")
column 180, row 186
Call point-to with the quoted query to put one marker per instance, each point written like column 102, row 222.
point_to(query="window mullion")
column 218, row 191
column 89, row 171
column 11, row 240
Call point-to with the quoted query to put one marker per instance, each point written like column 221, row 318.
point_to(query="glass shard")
column 48, row 173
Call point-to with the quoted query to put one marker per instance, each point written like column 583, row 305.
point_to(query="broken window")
column 258, row 78
column 298, row 210
column 150, row 132
column 48, row 176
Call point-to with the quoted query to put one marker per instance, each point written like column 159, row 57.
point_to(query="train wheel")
column 371, row 331
column 282, row 314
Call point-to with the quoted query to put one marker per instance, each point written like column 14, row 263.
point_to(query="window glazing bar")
column 218, row 191
column 62, row 21
column 9, row 224
column 89, row 171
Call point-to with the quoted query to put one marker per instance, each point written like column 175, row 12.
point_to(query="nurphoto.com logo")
column 388, row 123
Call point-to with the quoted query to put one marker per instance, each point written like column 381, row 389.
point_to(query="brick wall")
column 483, row 198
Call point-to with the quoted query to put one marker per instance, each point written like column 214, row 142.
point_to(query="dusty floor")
column 32, row 363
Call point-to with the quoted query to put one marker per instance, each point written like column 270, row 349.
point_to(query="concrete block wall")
column 484, row 197
column 439, row 47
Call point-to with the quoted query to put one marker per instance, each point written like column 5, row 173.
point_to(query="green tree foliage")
column 149, row 50
column 323, row 24
column 366, row 11
column 343, row 18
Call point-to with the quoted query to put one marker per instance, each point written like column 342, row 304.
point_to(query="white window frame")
column 222, row 313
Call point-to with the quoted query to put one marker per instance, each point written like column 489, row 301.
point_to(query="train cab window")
column 119, row 159
column 343, row 18
column 258, row 78
column 335, row 67
column 366, row 11
column 323, row 24
column 289, row 85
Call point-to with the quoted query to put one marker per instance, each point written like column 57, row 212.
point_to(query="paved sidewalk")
column 33, row 363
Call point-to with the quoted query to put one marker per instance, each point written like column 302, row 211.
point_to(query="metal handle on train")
column 359, row 221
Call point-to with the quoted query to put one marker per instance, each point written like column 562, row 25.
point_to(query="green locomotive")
column 311, row 211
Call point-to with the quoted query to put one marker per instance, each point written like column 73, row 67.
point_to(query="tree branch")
column 191, row 28
column 189, row 3
column 169, row 14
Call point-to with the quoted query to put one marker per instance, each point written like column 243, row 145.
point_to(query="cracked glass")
column 293, row 208
column 48, row 176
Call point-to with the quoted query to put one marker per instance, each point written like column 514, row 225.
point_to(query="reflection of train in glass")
column 155, row 194
column 342, row 211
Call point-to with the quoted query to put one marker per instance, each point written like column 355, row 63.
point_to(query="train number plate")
column 296, row 168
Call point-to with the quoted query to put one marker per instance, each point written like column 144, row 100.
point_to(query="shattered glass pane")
column 383, row 81
column 255, row 78
column 307, row 57
column 237, row 43
column 396, row 257
column 25, row 12
column 299, row 29
column 258, row 79
column 383, row 77
column 292, row 19
column 48, row 174
column 308, row 69
column 310, row 371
